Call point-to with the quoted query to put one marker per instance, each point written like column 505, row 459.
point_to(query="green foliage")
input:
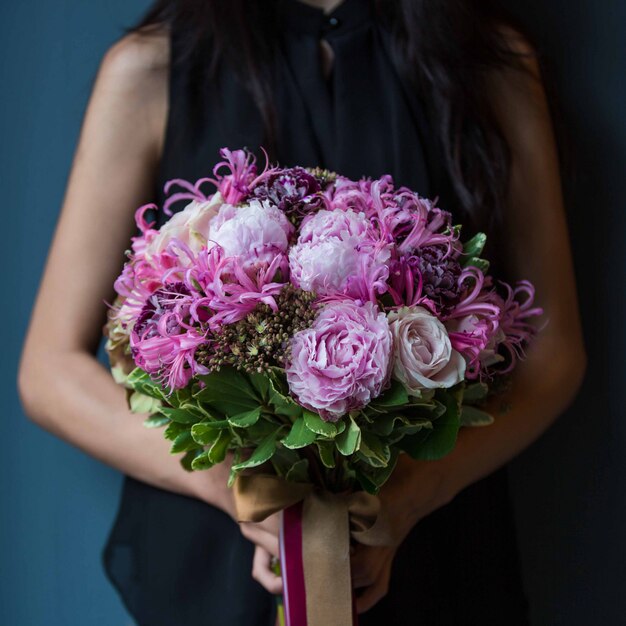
column 349, row 441
column 255, row 417
column 474, row 392
column 441, row 439
column 299, row 436
column 141, row 403
column 156, row 421
column 317, row 425
column 262, row 454
column 472, row 416
column 474, row 246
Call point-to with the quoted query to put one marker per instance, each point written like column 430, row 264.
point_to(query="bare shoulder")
column 518, row 94
column 130, row 95
column 139, row 58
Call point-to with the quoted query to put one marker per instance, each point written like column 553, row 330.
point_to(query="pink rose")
column 423, row 355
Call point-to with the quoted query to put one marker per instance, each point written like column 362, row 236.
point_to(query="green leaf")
column 299, row 472
column 283, row 404
column 140, row 381
column 262, row 429
column 188, row 458
column 263, row 453
column 218, row 449
column 141, row 403
column 183, row 442
column 202, row 462
column 442, row 438
column 299, row 436
column 475, row 245
column 373, row 451
column 179, row 415
column 471, row 416
column 349, row 441
column 156, row 421
column 373, row 478
column 481, row 264
column 244, row 420
column 261, row 384
column 283, row 460
column 411, row 444
column 205, row 433
column 179, row 397
column 174, row 429
column 475, row 392
column 396, row 395
column 327, row 453
column 316, row 424
column 233, row 473
column 227, row 391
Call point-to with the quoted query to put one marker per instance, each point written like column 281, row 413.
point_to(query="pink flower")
column 337, row 224
column 340, row 363
column 225, row 290
column 235, row 186
column 423, row 355
column 338, row 254
column 256, row 232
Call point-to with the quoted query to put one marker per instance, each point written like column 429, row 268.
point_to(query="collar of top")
column 300, row 18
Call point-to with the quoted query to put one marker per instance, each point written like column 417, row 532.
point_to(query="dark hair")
column 443, row 47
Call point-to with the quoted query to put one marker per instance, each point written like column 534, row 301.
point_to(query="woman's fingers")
column 261, row 537
column 371, row 573
column 366, row 564
column 262, row 571
column 372, row 595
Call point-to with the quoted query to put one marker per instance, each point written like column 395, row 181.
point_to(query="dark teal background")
column 57, row 505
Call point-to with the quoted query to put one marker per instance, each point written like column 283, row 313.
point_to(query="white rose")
column 191, row 226
column 423, row 355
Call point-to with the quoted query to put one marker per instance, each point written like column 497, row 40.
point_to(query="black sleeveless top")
column 179, row 562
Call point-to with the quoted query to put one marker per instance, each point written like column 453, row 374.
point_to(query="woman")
column 442, row 94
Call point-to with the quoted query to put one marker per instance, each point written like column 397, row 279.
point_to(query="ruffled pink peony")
column 256, row 232
column 338, row 254
column 342, row 361
column 336, row 224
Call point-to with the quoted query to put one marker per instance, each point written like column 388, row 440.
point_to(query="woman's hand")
column 414, row 490
column 263, row 534
column 263, row 572
column 371, row 573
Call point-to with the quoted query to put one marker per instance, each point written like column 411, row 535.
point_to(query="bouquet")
column 315, row 328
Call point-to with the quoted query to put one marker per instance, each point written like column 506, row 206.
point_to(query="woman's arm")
column 63, row 387
column 545, row 383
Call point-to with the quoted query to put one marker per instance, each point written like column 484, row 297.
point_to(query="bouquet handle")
column 292, row 570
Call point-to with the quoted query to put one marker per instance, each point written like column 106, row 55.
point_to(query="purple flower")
column 294, row 191
column 163, row 341
column 342, row 362
column 429, row 277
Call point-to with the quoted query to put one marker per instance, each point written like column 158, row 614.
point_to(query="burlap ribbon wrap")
column 328, row 522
